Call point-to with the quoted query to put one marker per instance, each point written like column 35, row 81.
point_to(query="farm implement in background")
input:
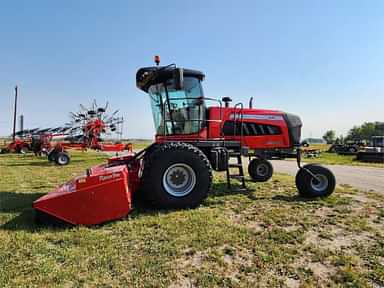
column 369, row 150
column 192, row 139
column 85, row 131
column 373, row 152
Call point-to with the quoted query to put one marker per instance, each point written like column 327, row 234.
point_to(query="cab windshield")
column 177, row 111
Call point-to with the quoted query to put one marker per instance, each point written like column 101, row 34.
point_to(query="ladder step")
column 235, row 165
column 240, row 189
column 237, row 176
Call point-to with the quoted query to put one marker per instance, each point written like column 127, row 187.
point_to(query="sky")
column 320, row 59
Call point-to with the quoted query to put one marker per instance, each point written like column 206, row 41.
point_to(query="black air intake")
column 294, row 127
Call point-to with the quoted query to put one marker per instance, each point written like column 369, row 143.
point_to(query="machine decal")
column 257, row 117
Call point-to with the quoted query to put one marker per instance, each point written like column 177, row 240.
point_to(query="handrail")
column 240, row 114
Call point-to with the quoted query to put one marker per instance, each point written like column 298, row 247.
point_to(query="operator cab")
column 177, row 98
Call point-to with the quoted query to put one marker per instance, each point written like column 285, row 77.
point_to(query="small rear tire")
column 62, row 159
column 310, row 187
column 260, row 170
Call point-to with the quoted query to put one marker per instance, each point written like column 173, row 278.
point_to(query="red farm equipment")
column 192, row 139
column 82, row 133
column 17, row 146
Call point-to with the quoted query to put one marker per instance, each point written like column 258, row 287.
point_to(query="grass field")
column 139, row 144
column 267, row 237
column 334, row 158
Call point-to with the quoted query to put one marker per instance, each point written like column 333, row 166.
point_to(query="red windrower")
column 175, row 171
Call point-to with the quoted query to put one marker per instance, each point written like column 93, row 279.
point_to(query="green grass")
column 334, row 158
column 140, row 144
column 266, row 237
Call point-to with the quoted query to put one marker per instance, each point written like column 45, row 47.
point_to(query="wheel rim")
column 320, row 184
column 62, row 160
column 179, row 180
column 262, row 169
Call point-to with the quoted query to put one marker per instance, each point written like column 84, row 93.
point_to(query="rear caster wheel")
column 321, row 186
column 260, row 170
column 62, row 159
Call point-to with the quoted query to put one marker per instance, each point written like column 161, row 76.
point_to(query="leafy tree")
column 330, row 136
column 340, row 140
column 366, row 131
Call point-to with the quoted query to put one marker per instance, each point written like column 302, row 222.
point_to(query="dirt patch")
column 192, row 258
column 362, row 198
column 321, row 271
column 324, row 212
column 292, row 283
column 183, row 282
column 335, row 239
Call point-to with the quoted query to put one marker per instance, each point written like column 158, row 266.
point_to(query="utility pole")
column 14, row 116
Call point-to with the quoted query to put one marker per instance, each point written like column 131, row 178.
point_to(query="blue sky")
column 323, row 60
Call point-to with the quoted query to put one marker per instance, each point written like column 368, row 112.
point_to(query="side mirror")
column 178, row 77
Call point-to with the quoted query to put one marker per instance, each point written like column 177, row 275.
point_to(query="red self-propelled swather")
column 192, row 139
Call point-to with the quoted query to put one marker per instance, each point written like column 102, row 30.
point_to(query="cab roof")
column 147, row 76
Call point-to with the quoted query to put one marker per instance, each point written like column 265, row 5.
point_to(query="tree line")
column 360, row 133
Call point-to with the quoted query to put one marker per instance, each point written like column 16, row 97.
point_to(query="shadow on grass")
column 26, row 221
column 14, row 202
column 294, row 198
column 21, row 204
column 221, row 189
column 41, row 163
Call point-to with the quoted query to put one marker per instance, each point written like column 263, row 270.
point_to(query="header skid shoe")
column 102, row 195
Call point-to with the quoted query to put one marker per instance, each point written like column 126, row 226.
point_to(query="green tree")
column 366, row 131
column 330, row 136
column 340, row 140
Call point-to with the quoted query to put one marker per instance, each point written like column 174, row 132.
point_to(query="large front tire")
column 310, row 187
column 175, row 176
